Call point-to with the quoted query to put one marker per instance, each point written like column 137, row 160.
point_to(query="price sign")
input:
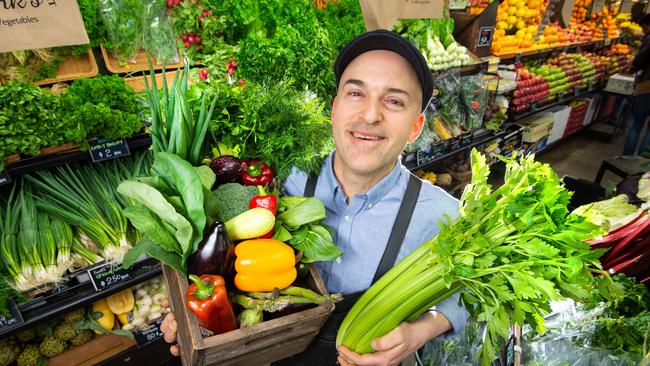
column 597, row 6
column 106, row 276
column 14, row 319
column 437, row 149
column 626, row 6
column 5, row 178
column 104, row 149
column 566, row 11
column 149, row 334
column 484, row 36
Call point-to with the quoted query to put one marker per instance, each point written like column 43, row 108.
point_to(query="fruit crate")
column 259, row 344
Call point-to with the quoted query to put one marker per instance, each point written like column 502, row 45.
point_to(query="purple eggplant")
column 227, row 168
column 215, row 254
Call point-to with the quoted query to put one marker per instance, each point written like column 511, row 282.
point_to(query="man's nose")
column 372, row 111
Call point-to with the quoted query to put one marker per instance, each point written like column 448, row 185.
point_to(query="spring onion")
column 509, row 253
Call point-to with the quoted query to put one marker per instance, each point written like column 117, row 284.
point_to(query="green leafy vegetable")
column 497, row 253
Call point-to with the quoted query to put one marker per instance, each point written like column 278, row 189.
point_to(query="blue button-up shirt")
column 362, row 227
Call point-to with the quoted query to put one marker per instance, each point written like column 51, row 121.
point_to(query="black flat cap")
column 382, row 39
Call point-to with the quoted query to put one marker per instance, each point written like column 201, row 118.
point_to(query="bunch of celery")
column 510, row 252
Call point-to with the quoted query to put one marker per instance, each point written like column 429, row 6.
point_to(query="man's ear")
column 416, row 128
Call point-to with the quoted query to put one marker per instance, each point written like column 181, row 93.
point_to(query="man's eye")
column 354, row 93
column 396, row 102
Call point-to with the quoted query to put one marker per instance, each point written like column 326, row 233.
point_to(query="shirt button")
column 370, row 205
column 346, row 218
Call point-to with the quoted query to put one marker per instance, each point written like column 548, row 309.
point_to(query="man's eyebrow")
column 390, row 90
column 354, row 82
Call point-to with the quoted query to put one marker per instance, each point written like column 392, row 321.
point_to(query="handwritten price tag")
column 5, row 178
column 106, row 276
column 149, row 334
column 104, row 149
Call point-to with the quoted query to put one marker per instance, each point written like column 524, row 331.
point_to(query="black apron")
column 322, row 350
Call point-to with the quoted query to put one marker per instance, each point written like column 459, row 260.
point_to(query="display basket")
column 259, row 344
column 73, row 67
column 140, row 63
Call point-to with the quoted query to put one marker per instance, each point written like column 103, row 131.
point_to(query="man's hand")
column 169, row 327
column 399, row 343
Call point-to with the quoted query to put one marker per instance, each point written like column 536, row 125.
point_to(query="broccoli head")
column 233, row 199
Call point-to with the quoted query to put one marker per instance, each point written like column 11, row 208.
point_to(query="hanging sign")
column 626, row 6
column 384, row 13
column 566, row 11
column 31, row 24
column 597, row 6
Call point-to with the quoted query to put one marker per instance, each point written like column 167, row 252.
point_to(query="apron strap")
column 310, row 186
column 401, row 224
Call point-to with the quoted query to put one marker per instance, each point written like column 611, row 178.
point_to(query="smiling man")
column 378, row 211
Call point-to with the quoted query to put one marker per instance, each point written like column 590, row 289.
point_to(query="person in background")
column 641, row 100
column 384, row 87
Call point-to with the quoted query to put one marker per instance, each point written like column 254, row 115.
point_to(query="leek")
column 509, row 253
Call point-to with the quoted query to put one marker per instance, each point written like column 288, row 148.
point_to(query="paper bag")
column 31, row 24
column 384, row 13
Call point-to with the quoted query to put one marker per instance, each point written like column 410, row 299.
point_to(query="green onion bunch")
column 86, row 198
column 509, row 253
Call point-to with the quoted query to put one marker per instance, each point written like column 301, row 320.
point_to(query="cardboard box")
column 537, row 126
column 620, row 84
column 259, row 344
column 560, row 118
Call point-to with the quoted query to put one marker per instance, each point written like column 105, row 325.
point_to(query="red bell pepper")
column 267, row 201
column 257, row 173
column 208, row 299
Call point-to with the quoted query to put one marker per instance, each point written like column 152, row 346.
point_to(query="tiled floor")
column 580, row 156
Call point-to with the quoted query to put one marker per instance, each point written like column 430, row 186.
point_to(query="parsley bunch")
column 510, row 252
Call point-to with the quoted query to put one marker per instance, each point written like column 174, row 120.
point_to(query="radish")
column 187, row 44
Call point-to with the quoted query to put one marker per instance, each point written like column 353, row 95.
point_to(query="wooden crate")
column 71, row 68
column 137, row 82
column 141, row 64
column 260, row 344
column 97, row 350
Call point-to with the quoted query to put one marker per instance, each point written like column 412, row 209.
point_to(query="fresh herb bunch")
column 124, row 27
column 30, row 118
column 511, row 251
column 29, row 65
column 159, row 36
column 101, row 106
column 272, row 121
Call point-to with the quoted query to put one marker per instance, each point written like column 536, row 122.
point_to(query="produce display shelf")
column 74, row 292
column 573, row 47
column 479, row 140
column 47, row 161
column 519, row 116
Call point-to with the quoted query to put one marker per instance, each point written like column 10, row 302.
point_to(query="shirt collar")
column 376, row 193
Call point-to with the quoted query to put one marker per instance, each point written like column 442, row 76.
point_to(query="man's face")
column 376, row 112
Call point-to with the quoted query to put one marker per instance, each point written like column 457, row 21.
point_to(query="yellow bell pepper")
column 107, row 320
column 263, row 265
column 121, row 302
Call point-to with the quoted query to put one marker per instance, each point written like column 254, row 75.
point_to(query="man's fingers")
column 391, row 340
column 175, row 350
column 169, row 327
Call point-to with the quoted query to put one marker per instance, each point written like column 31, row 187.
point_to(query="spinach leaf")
column 151, row 227
column 146, row 246
column 152, row 199
column 318, row 245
